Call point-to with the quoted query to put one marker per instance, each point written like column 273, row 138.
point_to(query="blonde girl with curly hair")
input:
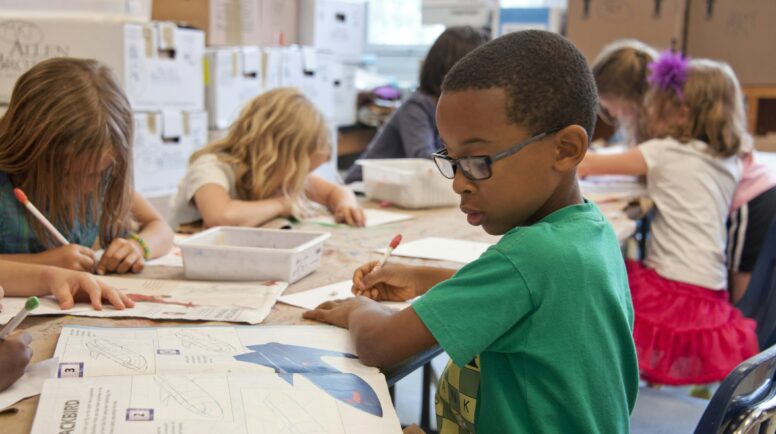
column 262, row 168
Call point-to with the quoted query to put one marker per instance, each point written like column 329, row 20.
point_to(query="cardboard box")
column 233, row 77
column 592, row 25
column 291, row 67
column 741, row 33
column 139, row 10
column 345, row 94
column 164, row 140
column 159, row 65
column 235, row 22
column 272, row 62
column 219, row 19
column 516, row 19
column 317, row 80
column 334, row 26
column 275, row 22
column 766, row 143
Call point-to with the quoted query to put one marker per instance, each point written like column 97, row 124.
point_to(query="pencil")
column 21, row 197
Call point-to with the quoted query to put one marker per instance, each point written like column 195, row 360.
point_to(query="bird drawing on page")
column 288, row 360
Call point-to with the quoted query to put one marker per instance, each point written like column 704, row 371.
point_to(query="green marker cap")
column 31, row 303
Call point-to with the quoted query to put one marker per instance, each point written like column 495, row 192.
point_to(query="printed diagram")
column 159, row 299
column 291, row 412
column 295, row 418
column 118, row 354
column 205, row 341
column 188, row 395
column 288, row 360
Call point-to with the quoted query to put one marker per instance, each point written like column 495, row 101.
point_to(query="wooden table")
column 343, row 252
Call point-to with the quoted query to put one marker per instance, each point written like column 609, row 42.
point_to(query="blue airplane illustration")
column 288, row 360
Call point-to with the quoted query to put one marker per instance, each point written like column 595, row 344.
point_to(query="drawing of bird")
column 288, row 360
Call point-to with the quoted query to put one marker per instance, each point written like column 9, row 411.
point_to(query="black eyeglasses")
column 477, row 168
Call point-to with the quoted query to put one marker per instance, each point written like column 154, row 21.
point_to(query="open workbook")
column 269, row 379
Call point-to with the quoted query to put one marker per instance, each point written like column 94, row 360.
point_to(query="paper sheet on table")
column 215, row 379
column 172, row 299
column 310, row 299
column 443, row 249
column 30, row 384
column 374, row 217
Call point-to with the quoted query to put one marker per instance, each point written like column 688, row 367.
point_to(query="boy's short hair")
column 547, row 80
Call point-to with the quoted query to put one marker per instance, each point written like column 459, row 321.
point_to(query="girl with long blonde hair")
column 66, row 141
column 262, row 168
column 686, row 331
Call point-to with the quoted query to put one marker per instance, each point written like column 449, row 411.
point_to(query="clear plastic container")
column 231, row 253
column 407, row 182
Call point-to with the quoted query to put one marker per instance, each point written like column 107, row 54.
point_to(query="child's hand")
column 350, row 213
column 71, row 256
column 392, row 282
column 69, row 286
column 335, row 312
column 15, row 355
column 121, row 257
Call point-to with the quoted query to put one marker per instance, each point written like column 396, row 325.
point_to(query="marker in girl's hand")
column 21, row 197
column 394, row 244
column 29, row 305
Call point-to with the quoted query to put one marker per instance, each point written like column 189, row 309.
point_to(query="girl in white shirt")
column 262, row 168
column 686, row 331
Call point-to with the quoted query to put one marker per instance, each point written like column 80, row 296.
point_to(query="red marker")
column 21, row 197
column 394, row 244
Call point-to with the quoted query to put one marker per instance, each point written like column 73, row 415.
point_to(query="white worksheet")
column 172, row 299
column 30, row 384
column 311, row 298
column 374, row 217
column 442, row 249
column 279, row 379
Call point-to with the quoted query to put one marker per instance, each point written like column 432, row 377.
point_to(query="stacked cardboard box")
column 158, row 64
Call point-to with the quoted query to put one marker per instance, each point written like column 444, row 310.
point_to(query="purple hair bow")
column 669, row 72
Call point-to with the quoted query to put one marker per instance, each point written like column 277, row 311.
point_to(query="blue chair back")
column 749, row 386
column 759, row 302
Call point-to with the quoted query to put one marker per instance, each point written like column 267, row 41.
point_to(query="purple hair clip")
column 669, row 72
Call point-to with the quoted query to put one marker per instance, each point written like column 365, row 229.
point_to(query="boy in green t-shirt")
column 539, row 327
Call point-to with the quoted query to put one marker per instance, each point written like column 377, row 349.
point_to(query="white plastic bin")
column 407, row 182
column 230, row 253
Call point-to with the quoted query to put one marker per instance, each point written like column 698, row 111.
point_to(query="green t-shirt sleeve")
column 480, row 303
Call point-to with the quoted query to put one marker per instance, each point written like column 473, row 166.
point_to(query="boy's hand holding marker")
column 338, row 312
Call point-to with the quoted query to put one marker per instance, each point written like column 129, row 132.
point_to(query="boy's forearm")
column 384, row 337
column 428, row 277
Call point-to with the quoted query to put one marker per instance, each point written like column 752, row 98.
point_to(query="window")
column 397, row 24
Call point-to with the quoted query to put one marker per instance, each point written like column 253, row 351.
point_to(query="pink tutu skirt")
column 686, row 334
